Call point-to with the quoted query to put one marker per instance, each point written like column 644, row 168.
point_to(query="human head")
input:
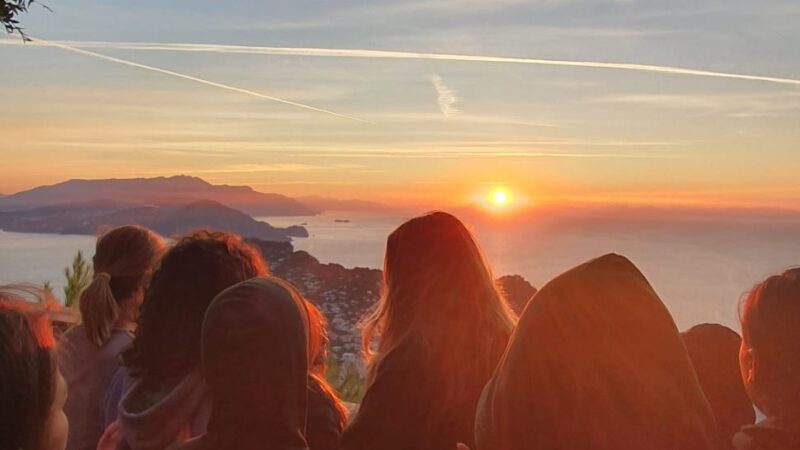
column 192, row 272
column 714, row 352
column 769, row 357
column 595, row 362
column 255, row 361
column 32, row 391
column 123, row 261
column 440, row 314
column 435, row 284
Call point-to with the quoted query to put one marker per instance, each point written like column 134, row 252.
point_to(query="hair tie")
column 103, row 275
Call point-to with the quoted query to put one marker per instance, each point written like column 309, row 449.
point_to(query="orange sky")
column 441, row 132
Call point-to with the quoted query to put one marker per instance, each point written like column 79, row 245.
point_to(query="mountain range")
column 167, row 220
column 160, row 191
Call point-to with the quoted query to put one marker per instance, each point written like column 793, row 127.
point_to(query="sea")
column 701, row 270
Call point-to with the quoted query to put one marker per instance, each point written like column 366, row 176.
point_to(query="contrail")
column 71, row 48
column 386, row 54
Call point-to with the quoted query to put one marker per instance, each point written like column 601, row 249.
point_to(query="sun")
column 499, row 198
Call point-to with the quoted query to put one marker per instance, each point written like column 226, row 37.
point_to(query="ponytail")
column 99, row 309
column 123, row 260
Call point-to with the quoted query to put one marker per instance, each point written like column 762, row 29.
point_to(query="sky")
column 211, row 97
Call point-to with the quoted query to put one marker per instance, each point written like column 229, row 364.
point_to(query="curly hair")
column 199, row 266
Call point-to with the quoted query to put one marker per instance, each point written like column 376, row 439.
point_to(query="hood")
column 595, row 362
column 255, row 347
column 152, row 420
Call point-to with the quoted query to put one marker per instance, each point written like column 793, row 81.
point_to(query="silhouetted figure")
column 161, row 394
column 255, row 358
column 439, row 330
column 88, row 353
column 596, row 363
column 770, row 362
column 32, row 391
column 714, row 351
column 327, row 416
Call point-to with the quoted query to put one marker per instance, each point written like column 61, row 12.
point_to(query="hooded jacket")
column 595, row 363
column 153, row 420
column 255, row 346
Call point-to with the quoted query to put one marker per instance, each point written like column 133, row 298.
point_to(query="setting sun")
column 499, row 198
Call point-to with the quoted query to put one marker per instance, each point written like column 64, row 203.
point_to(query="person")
column 88, row 354
column 327, row 415
column 440, row 328
column 596, row 362
column 32, row 391
column 769, row 359
column 714, row 352
column 255, row 359
column 160, row 396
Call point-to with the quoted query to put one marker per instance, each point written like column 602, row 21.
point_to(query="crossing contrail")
column 71, row 48
column 387, row 54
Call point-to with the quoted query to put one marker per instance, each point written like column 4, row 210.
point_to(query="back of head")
column 438, row 289
column 255, row 360
column 192, row 272
column 27, row 374
column 595, row 362
column 440, row 313
column 770, row 316
column 123, row 261
column 714, row 351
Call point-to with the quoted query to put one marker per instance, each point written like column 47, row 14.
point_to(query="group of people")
column 194, row 345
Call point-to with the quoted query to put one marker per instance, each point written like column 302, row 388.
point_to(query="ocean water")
column 700, row 270
column 36, row 258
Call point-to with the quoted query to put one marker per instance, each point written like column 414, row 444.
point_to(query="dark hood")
column 255, row 345
column 771, row 434
column 596, row 362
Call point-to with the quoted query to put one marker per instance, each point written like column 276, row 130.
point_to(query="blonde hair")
column 439, row 299
column 124, row 258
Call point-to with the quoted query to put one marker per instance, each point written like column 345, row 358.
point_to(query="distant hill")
column 160, row 191
column 167, row 220
column 334, row 204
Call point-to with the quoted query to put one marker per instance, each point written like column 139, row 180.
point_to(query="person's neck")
column 125, row 324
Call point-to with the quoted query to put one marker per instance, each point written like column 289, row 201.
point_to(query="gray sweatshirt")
column 88, row 370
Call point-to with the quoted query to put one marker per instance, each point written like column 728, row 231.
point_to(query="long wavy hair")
column 441, row 305
column 124, row 259
column 199, row 266
column 318, row 355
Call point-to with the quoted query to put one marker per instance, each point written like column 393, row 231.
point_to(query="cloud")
column 742, row 104
column 279, row 167
column 198, row 80
column 446, row 97
column 385, row 54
